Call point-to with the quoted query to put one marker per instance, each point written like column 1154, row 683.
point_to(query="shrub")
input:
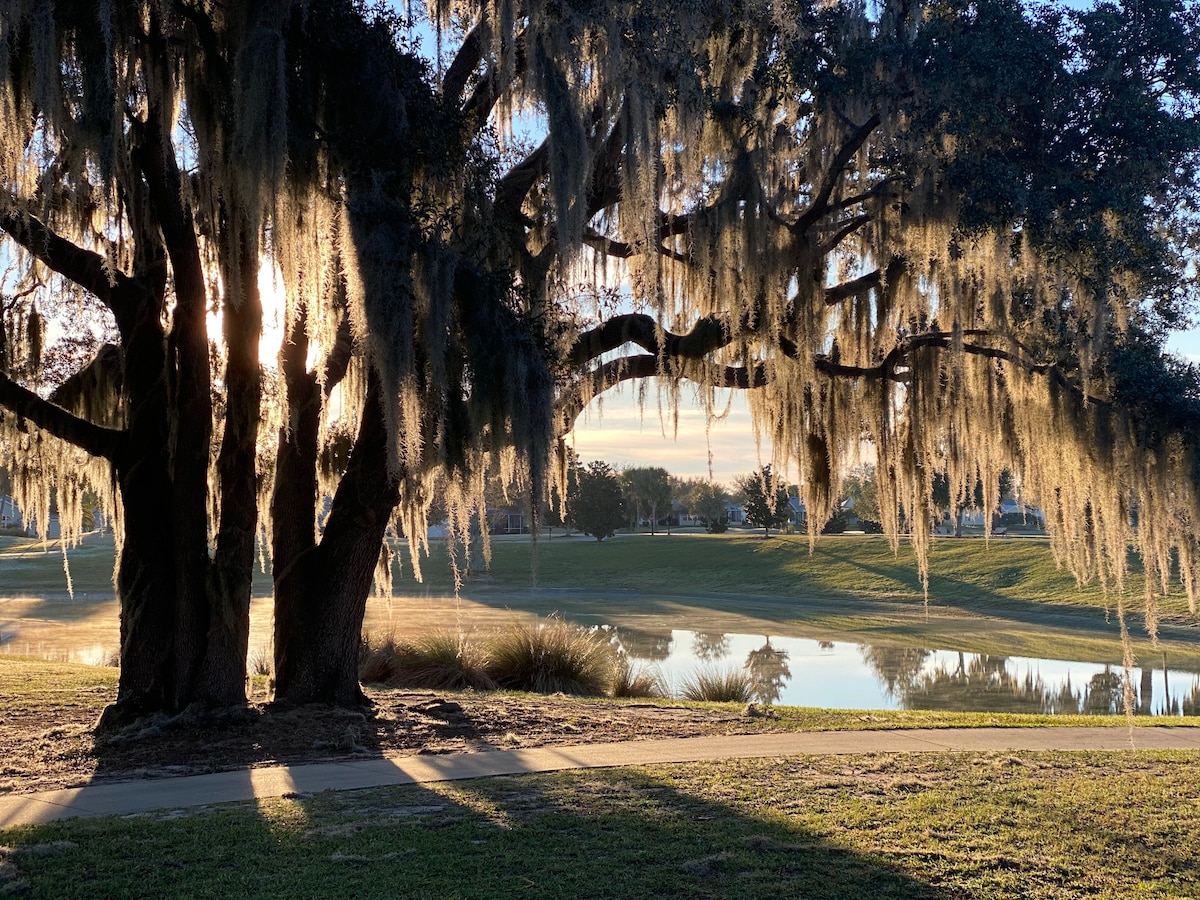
column 551, row 657
column 718, row 526
column 716, row 685
column 631, row 680
column 836, row 525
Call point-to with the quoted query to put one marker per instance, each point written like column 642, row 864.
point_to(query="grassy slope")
column 965, row 571
column 1052, row 825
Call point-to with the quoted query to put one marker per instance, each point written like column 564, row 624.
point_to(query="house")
column 506, row 521
column 797, row 514
column 10, row 514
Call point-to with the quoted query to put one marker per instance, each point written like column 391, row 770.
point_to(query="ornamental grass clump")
column 439, row 660
column 551, row 657
column 632, row 680
column 718, row 685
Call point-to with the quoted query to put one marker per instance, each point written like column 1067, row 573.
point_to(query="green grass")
column 1052, row 825
column 29, row 567
column 964, row 572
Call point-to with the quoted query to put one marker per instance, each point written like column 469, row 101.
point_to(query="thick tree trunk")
column 321, row 592
column 145, row 567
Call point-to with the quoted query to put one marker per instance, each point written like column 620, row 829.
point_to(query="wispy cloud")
column 624, row 433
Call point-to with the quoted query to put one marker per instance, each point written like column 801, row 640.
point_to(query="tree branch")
column 870, row 194
column 819, row 206
column 515, row 184
column 465, row 62
column 848, row 227
column 571, row 405
column 88, row 436
column 707, row 335
column 84, row 267
column 855, row 288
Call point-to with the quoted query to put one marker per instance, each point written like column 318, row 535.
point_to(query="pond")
column 847, row 675
column 791, row 668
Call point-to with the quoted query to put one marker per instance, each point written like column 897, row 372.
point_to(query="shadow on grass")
column 620, row 833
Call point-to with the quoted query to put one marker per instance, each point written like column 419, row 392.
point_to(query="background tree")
column 596, row 505
column 956, row 505
column 766, row 502
column 651, row 489
column 861, row 486
column 709, row 500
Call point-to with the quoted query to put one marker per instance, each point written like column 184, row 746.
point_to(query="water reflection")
column 710, row 647
column 789, row 670
column 843, row 675
column 769, row 672
column 638, row 643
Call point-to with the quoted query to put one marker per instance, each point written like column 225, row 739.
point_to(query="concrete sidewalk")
column 131, row 797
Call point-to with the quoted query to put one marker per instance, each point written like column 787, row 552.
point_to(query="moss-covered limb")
column 835, row 171
column 88, row 436
column 224, row 676
column 86, row 268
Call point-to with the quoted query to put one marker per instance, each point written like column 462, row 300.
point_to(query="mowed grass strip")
column 965, row 572
column 1050, row 825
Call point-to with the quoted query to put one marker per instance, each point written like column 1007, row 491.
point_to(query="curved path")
column 131, row 797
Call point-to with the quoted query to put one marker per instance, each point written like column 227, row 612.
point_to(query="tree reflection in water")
column 769, row 672
column 983, row 683
column 710, row 647
column 654, row 646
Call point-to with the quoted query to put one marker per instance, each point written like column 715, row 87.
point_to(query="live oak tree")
column 932, row 226
column 153, row 154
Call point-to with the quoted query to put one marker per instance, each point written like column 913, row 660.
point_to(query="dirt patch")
column 45, row 749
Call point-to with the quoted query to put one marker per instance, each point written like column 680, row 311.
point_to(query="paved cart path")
column 140, row 796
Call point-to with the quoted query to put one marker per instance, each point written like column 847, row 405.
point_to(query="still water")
column 785, row 669
column 845, row 675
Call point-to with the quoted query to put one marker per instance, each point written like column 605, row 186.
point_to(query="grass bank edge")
column 24, row 681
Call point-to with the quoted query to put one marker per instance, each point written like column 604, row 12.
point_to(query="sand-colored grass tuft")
column 439, row 660
column 718, row 685
column 552, row 657
column 632, row 680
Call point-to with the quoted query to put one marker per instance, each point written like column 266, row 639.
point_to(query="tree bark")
column 145, row 567
column 321, row 591
column 223, row 674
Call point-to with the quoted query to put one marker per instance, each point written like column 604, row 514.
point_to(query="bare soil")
column 48, row 746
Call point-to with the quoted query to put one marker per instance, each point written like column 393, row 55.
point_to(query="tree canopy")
column 651, row 490
column 766, row 500
column 595, row 502
column 953, row 230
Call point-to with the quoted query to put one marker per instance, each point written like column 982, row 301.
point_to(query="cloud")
column 622, row 432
